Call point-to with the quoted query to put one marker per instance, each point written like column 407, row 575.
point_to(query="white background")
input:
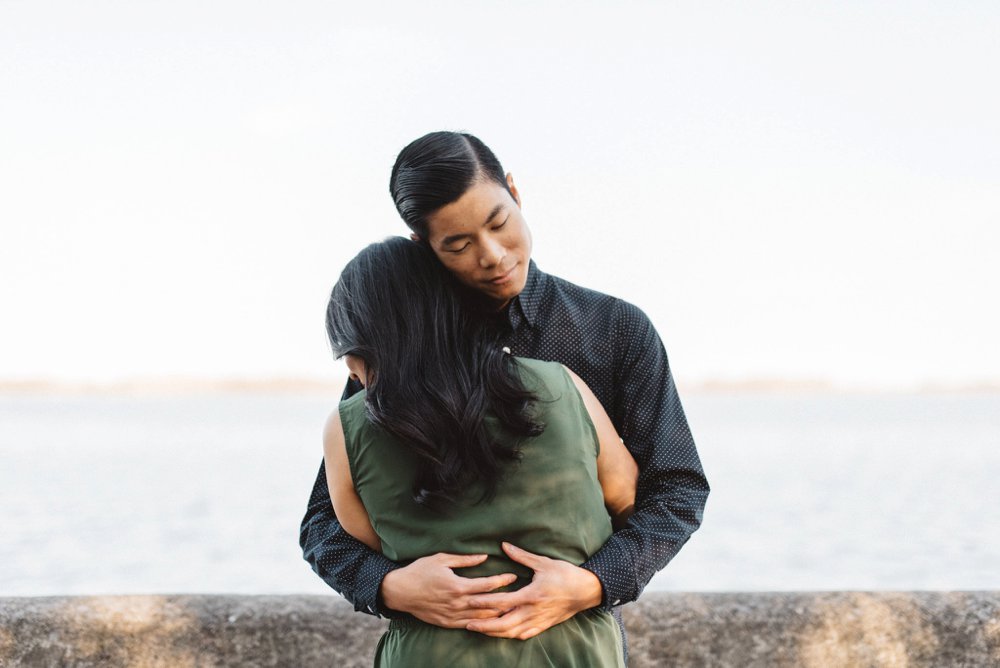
column 789, row 190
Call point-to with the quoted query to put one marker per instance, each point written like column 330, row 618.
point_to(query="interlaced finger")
column 485, row 584
column 500, row 601
column 503, row 627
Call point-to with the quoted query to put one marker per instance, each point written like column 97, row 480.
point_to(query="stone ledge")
column 821, row 629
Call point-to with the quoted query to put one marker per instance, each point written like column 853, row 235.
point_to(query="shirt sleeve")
column 672, row 488
column 346, row 564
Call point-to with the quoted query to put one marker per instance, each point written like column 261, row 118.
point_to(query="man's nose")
column 493, row 253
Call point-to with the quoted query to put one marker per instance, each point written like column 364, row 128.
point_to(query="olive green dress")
column 549, row 503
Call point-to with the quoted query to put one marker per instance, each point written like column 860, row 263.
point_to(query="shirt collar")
column 530, row 299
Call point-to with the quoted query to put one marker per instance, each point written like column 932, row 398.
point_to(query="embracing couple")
column 510, row 462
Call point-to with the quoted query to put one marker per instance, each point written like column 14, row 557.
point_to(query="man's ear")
column 513, row 189
column 415, row 236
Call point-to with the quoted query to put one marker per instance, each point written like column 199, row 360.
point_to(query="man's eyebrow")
column 497, row 209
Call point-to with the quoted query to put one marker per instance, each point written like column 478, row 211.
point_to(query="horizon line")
column 193, row 385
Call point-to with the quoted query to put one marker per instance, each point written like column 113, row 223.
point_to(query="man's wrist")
column 592, row 591
column 616, row 574
column 388, row 600
column 367, row 593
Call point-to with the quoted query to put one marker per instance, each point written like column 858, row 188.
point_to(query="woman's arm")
column 616, row 469
column 347, row 504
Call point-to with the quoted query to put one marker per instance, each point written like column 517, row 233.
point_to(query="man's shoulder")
column 568, row 290
column 594, row 302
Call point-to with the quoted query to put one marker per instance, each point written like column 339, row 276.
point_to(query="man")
column 453, row 194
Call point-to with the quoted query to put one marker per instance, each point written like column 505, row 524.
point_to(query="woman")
column 456, row 446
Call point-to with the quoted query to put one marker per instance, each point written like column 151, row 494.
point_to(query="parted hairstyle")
column 437, row 169
column 435, row 368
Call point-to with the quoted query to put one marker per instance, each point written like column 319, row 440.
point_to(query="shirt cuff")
column 373, row 571
column 616, row 573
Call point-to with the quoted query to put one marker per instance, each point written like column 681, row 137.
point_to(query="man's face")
column 483, row 240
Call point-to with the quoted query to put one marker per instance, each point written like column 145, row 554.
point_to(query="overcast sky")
column 789, row 190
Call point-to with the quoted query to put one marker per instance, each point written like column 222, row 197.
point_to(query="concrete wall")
column 755, row 629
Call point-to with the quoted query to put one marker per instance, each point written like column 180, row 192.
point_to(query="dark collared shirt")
column 614, row 348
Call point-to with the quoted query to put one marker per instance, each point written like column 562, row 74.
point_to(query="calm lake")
column 102, row 494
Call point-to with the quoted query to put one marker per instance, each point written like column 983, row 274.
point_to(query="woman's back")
column 549, row 503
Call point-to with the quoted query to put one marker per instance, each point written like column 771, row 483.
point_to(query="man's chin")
column 501, row 297
column 501, row 294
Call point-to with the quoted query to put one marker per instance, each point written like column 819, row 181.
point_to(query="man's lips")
column 502, row 278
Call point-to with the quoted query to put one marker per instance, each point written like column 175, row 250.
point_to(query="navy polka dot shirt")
column 612, row 345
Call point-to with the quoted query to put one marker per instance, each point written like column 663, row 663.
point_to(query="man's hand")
column 558, row 590
column 429, row 590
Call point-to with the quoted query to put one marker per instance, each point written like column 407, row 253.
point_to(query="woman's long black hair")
column 435, row 365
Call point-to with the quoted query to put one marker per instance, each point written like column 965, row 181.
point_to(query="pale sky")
column 789, row 190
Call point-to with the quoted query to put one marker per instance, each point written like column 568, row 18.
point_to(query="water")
column 846, row 492
column 106, row 494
